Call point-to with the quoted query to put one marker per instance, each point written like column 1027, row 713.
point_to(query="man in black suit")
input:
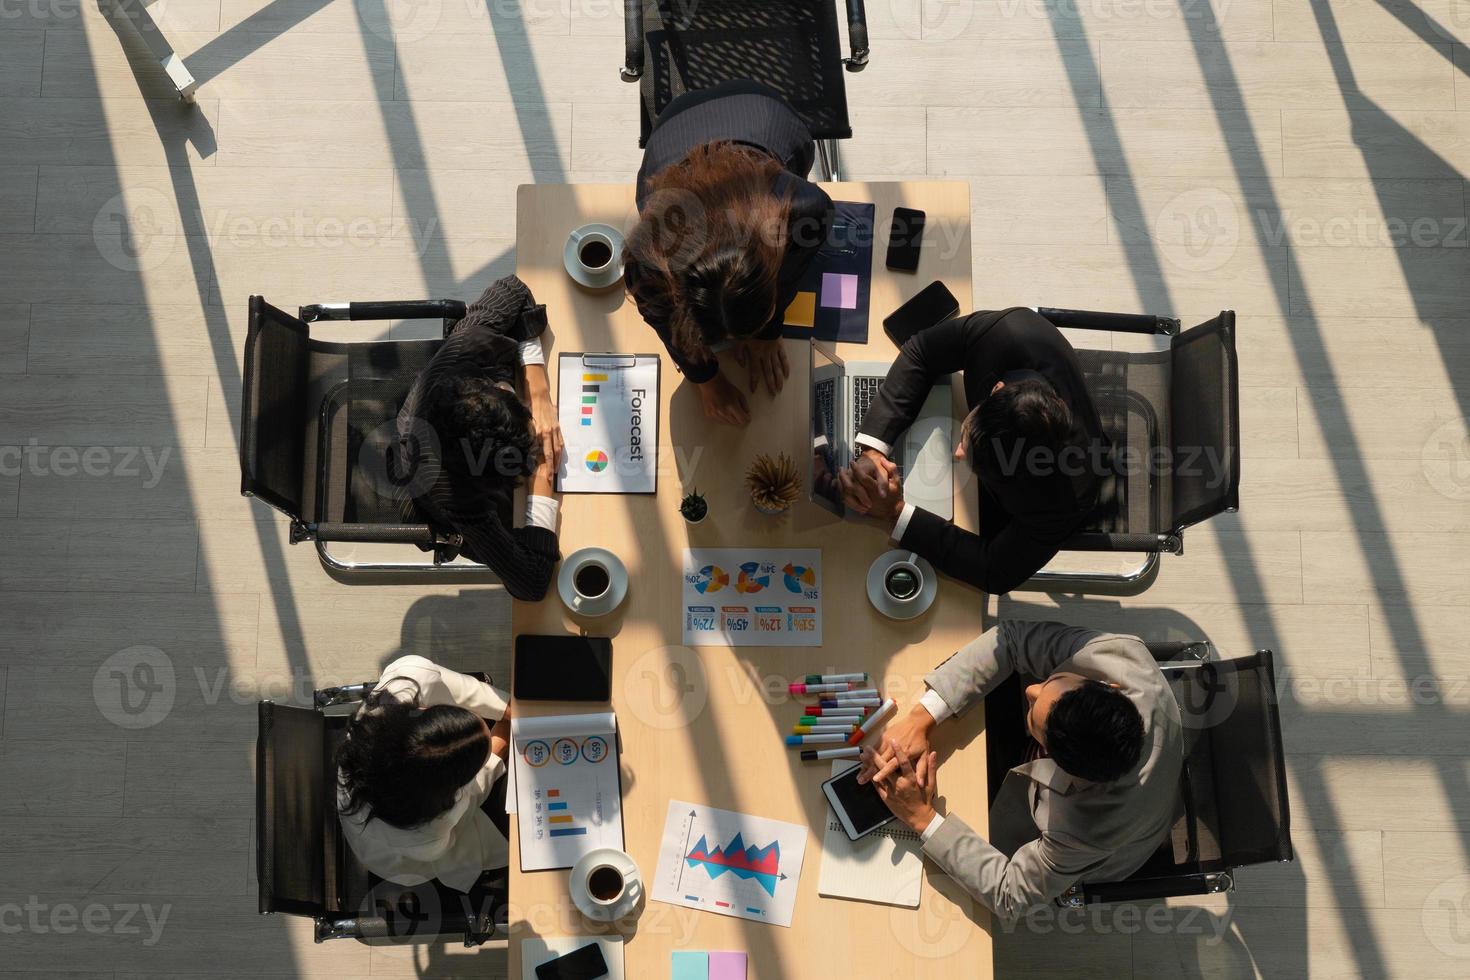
column 1032, row 436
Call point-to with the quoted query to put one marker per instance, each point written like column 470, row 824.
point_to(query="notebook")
column 886, row 866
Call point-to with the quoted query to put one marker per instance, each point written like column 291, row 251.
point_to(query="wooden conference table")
column 706, row 724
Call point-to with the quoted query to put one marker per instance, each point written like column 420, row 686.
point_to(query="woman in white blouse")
column 421, row 757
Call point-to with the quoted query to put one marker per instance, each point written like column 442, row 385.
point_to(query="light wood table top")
column 706, row 724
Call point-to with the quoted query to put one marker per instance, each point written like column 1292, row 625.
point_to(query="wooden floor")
column 1302, row 162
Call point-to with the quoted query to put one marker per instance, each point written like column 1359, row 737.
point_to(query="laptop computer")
column 841, row 394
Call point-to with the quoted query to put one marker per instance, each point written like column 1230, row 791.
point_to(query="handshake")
column 871, row 486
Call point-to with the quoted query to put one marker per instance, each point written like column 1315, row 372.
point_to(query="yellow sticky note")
column 802, row 311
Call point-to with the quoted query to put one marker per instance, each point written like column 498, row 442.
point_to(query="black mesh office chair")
column 304, row 866
column 1173, row 418
column 316, row 426
column 1233, row 805
column 791, row 45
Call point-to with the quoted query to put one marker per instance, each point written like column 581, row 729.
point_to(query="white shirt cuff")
column 936, row 706
column 542, row 511
column 903, row 523
column 932, row 829
column 878, row 444
column 531, row 352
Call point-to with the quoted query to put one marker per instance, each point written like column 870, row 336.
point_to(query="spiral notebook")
column 886, row 866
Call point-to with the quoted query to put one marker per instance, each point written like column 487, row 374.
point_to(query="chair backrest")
column 290, row 810
column 1235, row 796
column 1205, row 412
column 274, row 402
column 1131, row 394
column 791, row 45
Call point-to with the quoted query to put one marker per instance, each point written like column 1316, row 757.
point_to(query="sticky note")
column 690, row 966
column 839, row 289
column 803, row 310
column 727, row 966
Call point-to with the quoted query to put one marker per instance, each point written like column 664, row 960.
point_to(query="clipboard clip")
column 610, row 360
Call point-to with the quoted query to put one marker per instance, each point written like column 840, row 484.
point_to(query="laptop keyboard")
column 864, row 390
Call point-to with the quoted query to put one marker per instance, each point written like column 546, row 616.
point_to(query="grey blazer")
column 1087, row 831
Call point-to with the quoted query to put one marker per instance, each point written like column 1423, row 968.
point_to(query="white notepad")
column 886, row 866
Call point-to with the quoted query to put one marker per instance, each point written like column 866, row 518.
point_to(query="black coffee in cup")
column 605, row 883
column 901, row 583
column 595, row 253
column 591, row 580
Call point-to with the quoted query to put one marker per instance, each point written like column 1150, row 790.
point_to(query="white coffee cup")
column 590, row 581
column 595, row 252
column 606, row 884
column 897, row 570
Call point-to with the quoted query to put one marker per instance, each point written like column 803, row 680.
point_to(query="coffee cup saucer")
column 891, row 607
column 610, row 274
column 617, row 587
column 582, row 898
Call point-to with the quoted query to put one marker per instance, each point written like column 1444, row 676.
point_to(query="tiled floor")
column 1302, row 162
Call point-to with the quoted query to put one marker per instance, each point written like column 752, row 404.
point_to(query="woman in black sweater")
column 727, row 225
column 466, row 440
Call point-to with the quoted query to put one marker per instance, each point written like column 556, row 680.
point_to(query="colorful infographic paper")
column 729, row 863
column 752, row 597
column 608, row 406
column 568, row 791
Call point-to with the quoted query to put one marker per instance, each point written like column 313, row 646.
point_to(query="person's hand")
column 766, row 360
column 871, row 486
column 910, row 733
column 723, row 402
column 908, row 789
column 543, row 478
column 543, row 413
column 500, row 736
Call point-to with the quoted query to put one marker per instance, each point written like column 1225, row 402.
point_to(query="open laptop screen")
column 828, row 449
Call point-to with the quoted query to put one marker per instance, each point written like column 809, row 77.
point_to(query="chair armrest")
column 857, row 35
column 414, row 309
column 1112, row 322
column 1120, row 542
column 420, row 534
column 632, row 40
column 1145, row 889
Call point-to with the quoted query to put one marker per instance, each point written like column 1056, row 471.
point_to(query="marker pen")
column 835, row 678
column 817, row 688
column 814, row 755
column 857, row 702
column 864, row 692
column 835, row 738
column 822, row 729
column 883, row 712
column 831, row 719
column 832, row 709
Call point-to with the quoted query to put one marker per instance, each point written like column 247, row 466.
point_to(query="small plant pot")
column 693, row 508
column 691, row 521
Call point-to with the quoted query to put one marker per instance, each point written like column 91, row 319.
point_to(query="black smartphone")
column 933, row 304
column 858, row 806
column 563, row 668
column 580, row 964
column 905, row 235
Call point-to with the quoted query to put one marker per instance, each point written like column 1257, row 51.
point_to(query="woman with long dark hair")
column 727, row 226
column 413, row 776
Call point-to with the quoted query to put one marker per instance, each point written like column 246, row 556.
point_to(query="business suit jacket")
column 1051, row 830
column 752, row 114
column 1024, row 515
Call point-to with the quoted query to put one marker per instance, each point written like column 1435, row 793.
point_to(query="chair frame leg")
column 829, row 159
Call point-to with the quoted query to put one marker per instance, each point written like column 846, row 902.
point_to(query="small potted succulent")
column 694, row 507
column 773, row 483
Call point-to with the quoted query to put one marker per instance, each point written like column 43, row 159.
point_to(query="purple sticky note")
column 839, row 289
column 726, row 966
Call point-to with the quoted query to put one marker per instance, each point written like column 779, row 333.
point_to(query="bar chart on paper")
column 729, row 863
column 609, row 419
column 567, row 787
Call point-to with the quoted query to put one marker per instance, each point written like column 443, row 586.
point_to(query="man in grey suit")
column 1098, row 795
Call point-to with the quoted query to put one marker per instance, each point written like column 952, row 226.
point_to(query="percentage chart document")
column 568, row 791
column 608, row 404
column 729, row 863
column 752, row 597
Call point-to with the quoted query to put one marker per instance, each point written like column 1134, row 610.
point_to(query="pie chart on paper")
column 596, row 461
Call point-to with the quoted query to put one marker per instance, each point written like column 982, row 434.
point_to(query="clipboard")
column 608, row 405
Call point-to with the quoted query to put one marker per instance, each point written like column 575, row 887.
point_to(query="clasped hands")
column 871, row 486
column 904, row 770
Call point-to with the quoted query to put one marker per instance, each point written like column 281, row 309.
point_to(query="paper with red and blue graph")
column 729, row 863
column 752, row 597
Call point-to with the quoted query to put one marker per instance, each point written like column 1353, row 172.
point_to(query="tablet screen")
column 865, row 809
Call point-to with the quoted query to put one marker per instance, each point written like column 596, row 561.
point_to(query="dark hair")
column 1023, row 415
column 1094, row 732
column 483, row 430
column 404, row 764
column 712, row 237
